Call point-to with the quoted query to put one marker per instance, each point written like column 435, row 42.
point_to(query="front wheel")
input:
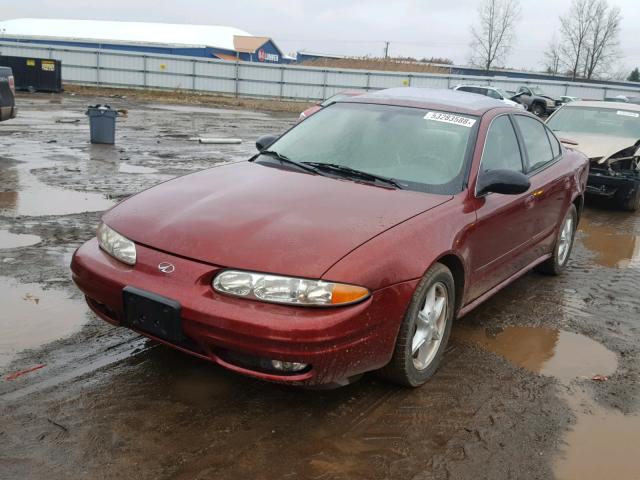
column 564, row 243
column 537, row 109
column 425, row 330
column 630, row 203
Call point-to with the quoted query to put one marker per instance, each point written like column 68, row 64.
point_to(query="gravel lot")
column 542, row 381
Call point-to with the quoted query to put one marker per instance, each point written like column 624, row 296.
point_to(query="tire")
column 409, row 369
column 630, row 203
column 537, row 109
column 560, row 258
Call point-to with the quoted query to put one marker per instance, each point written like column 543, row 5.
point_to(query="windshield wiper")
column 285, row 159
column 353, row 173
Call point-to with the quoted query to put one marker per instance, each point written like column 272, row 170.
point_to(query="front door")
column 504, row 225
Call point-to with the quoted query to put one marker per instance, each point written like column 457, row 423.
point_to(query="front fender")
column 405, row 252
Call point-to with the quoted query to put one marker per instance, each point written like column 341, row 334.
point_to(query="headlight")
column 289, row 290
column 116, row 245
column 551, row 103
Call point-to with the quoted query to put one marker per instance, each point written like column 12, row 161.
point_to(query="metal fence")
column 112, row 68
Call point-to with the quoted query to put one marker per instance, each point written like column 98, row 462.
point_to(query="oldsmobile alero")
column 348, row 244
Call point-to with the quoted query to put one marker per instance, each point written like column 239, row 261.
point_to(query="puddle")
column 128, row 168
column 613, row 249
column 13, row 240
column 555, row 353
column 35, row 198
column 31, row 316
column 602, row 444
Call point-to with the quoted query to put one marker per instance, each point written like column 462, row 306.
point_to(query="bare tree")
column 493, row 38
column 552, row 57
column 589, row 37
column 603, row 45
column 574, row 28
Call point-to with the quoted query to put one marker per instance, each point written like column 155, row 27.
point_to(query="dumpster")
column 102, row 124
column 35, row 74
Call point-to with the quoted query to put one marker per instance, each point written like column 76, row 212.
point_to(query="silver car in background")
column 491, row 92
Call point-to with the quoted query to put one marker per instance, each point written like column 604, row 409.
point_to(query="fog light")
column 288, row 366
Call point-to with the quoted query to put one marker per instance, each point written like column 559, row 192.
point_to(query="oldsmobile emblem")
column 166, row 267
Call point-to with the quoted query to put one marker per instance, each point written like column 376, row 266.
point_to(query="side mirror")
column 265, row 142
column 506, row 182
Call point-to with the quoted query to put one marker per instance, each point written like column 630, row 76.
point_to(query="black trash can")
column 102, row 123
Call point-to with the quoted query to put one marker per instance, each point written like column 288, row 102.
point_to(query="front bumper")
column 604, row 185
column 337, row 343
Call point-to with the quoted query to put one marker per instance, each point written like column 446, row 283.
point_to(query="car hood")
column 511, row 103
column 255, row 217
column 597, row 147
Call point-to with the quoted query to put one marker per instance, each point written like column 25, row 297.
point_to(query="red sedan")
column 348, row 244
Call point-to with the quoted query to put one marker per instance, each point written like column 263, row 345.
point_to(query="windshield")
column 537, row 91
column 420, row 149
column 599, row 121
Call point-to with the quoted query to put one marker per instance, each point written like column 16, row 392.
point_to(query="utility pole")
column 386, row 49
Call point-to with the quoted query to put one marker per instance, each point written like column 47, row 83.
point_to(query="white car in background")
column 491, row 92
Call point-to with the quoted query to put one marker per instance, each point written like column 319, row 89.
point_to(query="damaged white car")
column 609, row 134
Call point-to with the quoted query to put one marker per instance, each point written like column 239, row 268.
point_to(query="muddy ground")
column 539, row 382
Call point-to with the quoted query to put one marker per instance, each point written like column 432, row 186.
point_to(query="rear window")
column 536, row 142
column 422, row 149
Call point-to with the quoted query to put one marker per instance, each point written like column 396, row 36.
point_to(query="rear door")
column 503, row 229
column 550, row 183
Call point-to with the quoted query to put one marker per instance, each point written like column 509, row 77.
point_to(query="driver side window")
column 501, row 149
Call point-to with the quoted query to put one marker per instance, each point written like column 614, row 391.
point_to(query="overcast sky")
column 419, row 28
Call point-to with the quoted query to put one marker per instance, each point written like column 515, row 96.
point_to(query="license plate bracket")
column 153, row 314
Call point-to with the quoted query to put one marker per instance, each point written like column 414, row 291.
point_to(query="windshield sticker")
column 628, row 114
column 450, row 118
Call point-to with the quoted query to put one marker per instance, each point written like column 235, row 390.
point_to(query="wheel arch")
column 456, row 266
column 578, row 202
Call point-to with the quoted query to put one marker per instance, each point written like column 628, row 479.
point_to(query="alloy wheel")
column 430, row 326
column 564, row 242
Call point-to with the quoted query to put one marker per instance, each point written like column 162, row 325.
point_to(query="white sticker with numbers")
column 628, row 114
column 450, row 118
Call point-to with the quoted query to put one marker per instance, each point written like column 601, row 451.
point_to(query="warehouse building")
column 210, row 41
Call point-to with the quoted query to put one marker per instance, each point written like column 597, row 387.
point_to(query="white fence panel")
column 88, row 59
column 169, row 65
column 79, row 74
column 215, row 85
column 303, row 92
column 388, row 81
column 115, row 77
column 216, row 69
column 110, row 67
column 307, row 77
column 347, row 79
column 121, row 62
column 258, row 73
column 23, row 50
column 258, row 89
column 174, row 82
column 431, row 82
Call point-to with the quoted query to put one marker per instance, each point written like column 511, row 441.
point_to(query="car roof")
column 474, row 86
column 601, row 104
column 435, row 98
